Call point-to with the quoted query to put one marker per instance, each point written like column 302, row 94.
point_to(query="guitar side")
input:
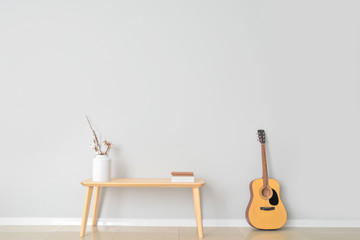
column 262, row 213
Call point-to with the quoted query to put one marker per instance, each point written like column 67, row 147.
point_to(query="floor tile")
column 148, row 233
column 173, row 233
column 149, row 229
column 338, row 230
column 132, row 229
column 281, row 234
column 23, row 235
column 26, row 232
column 92, row 233
column 211, row 233
column 331, row 233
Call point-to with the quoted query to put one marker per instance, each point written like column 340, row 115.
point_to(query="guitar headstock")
column 261, row 135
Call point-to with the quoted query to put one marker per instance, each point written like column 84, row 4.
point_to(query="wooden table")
column 137, row 182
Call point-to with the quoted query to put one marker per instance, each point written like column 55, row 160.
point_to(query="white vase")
column 101, row 169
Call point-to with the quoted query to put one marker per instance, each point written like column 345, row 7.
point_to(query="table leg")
column 197, row 205
column 85, row 216
column 96, row 205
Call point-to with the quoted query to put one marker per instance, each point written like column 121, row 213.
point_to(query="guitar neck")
column 264, row 166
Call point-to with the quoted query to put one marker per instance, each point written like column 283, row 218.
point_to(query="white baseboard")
column 172, row 222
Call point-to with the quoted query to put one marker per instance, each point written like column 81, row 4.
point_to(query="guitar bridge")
column 267, row 208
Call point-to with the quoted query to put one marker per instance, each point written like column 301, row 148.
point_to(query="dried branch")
column 97, row 144
column 96, row 141
column 108, row 146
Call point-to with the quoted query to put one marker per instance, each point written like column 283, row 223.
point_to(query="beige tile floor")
column 170, row 233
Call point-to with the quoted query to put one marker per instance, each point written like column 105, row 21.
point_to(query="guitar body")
column 266, row 213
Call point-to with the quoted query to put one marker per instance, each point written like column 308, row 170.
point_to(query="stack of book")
column 182, row 177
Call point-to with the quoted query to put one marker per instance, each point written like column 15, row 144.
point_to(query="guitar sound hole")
column 274, row 200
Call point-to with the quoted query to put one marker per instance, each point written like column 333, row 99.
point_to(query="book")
column 182, row 177
column 182, row 174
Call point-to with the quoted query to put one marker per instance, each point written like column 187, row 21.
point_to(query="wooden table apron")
column 137, row 182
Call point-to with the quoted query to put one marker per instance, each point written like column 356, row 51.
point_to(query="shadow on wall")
column 117, row 168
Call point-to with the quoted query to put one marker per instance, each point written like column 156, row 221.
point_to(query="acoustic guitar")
column 265, row 209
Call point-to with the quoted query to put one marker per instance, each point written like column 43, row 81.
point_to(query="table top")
column 142, row 182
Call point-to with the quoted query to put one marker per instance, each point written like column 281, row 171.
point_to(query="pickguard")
column 274, row 200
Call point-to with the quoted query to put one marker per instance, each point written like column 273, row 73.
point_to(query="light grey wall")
column 180, row 85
